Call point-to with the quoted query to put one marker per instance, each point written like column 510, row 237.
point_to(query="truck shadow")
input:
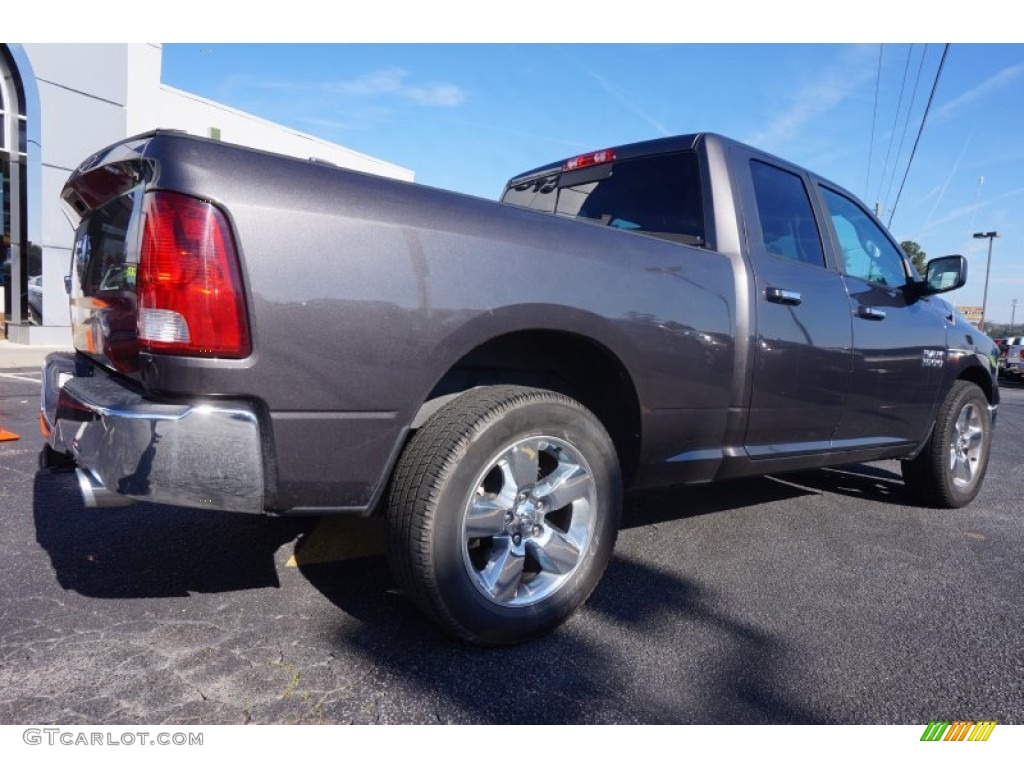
column 860, row 481
column 689, row 662
column 649, row 647
column 148, row 550
column 648, row 507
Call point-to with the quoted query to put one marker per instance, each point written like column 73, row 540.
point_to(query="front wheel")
column 950, row 469
column 503, row 512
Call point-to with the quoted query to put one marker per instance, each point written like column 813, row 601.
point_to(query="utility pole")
column 1013, row 314
column 988, row 268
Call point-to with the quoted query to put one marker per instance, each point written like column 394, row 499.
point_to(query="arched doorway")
column 14, row 256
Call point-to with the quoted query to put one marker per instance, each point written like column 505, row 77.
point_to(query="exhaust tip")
column 95, row 495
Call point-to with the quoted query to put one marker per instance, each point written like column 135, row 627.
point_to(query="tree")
column 915, row 254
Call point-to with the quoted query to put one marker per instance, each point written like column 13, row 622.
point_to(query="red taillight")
column 189, row 285
column 591, row 158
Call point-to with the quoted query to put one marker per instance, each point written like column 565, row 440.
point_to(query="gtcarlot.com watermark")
column 71, row 737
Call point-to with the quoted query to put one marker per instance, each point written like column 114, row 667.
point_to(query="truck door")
column 803, row 336
column 899, row 340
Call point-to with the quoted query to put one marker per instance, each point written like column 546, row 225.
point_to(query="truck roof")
column 622, row 152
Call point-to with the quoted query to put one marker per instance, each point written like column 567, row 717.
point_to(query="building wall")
column 151, row 104
column 196, row 115
column 82, row 89
column 92, row 95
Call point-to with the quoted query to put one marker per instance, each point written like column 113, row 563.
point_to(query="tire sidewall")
column 968, row 394
column 483, row 619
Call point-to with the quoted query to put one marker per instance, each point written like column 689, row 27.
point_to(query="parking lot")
column 819, row 597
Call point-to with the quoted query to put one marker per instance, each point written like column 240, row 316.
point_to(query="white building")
column 59, row 104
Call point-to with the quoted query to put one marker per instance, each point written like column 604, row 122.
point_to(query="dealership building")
column 58, row 105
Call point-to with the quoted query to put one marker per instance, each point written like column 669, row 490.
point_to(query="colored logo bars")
column 958, row 730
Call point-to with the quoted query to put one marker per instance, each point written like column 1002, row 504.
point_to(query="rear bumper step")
column 194, row 455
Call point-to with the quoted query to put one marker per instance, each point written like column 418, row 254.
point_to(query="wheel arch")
column 978, row 375
column 563, row 360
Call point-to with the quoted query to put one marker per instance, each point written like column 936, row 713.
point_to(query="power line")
column 874, row 118
column 906, row 123
column 920, row 130
column 895, row 121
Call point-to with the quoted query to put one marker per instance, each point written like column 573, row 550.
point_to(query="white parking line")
column 22, row 377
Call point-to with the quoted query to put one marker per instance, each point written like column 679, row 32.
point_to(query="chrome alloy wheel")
column 966, row 446
column 529, row 522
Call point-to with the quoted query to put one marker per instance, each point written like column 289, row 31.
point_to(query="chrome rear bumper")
column 191, row 454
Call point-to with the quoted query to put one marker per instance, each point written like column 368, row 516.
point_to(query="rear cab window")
column 788, row 227
column 657, row 195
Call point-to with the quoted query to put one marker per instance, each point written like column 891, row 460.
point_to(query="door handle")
column 782, row 296
column 870, row 313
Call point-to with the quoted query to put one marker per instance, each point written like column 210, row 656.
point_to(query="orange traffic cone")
column 5, row 435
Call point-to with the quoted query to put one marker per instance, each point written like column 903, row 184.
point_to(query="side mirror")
column 946, row 273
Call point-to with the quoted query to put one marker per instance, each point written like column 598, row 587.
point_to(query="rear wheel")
column 950, row 469
column 503, row 512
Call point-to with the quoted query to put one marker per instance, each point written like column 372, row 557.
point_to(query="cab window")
column 866, row 252
column 788, row 228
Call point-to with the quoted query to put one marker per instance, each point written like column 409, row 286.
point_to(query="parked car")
column 268, row 335
column 1010, row 362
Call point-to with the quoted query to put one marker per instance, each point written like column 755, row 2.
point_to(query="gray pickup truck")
column 263, row 334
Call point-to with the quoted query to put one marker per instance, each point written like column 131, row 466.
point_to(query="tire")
column 949, row 471
column 503, row 512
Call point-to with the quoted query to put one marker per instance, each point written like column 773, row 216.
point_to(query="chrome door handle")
column 782, row 296
column 870, row 313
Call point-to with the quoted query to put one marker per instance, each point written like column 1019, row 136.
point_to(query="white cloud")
column 443, row 95
column 326, row 123
column 381, row 81
column 966, row 210
column 617, row 94
column 395, row 81
column 825, row 92
column 949, row 178
column 392, row 81
column 1001, row 79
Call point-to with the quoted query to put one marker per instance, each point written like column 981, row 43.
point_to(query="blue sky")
column 467, row 116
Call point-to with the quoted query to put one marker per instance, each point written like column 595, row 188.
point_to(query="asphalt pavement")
column 820, row 597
